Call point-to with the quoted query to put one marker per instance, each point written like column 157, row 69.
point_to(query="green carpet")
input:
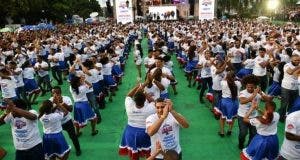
column 200, row 141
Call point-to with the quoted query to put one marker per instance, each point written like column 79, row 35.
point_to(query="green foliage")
column 56, row 10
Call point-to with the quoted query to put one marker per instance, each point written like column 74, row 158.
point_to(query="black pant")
column 288, row 99
column 69, row 127
column 57, row 74
column 35, row 153
column 243, row 131
column 206, row 83
column 44, row 83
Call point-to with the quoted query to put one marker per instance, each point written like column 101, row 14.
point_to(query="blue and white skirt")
column 229, row 108
column 33, row 61
column 191, row 66
column 165, row 95
column 116, row 71
column 275, row 89
column 296, row 106
column 135, row 143
column 98, row 88
column 30, row 85
column 83, row 112
column 171, row 45
column 55, row 145
column 109, row 81
column 244, row 72
column 62, row 65
column 262, row 147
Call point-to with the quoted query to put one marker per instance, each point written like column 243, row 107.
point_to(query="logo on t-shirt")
column 290, row 126
column 166, row 129
column 20, row 124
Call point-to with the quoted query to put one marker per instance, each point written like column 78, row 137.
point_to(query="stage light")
column 273, row 4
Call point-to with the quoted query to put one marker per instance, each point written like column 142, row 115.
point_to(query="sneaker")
column 78, row 153
column 241, row 146
column 201, row 100
column 221, row 134
column 229, row 133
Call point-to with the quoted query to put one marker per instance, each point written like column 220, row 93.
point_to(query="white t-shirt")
column 291, row 149
column 28, row 73
column 216, row 78
column 107, row 68
column 276, row 74
column 289, row 81
column 52, row 122
column 296, row 52
column 154, row 91
column 67, row 100
column 94, row 78
column 148, row 61
column 8, row 87
column 249, row 63
column 206, row 70
column 165, row 82
column 51, row 58
column 19, row 77
column 137, row 116
column 137, row 57
column 42, row 73
column 266, row 130
column 164, row 70
column 81, row 96
column 167, row 134
column 237, row 54
column 244, row 108
column 25, row 132
column 226, row 90
column 258, row 70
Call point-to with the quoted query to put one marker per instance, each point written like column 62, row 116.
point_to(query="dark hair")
column 88, row 64
column 289, row 51
column 75, row 83
column 262, row 49
column 230, row 78
column 57, row 88
column 250, row 79
column 270, row 107
column 252, row 54
column 19, row 103
column 167, row 58
column 139, row 99
column 13, row 63
column 191, row 52
column 104, row 60
column 159, row 100
column 26, row 64
column 46, row 108
column 171, row 155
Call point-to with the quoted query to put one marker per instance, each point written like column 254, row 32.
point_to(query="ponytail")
column 268, row 118
column 231, row 84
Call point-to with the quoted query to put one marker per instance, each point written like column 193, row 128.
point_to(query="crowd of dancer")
column 235, row 65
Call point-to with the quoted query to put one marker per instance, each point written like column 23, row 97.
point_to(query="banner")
column 124, row 11
column 163, row 13
column 206, row 9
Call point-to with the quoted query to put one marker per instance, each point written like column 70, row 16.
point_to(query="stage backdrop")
column 206, row 9
column 124, row 11
column 163, row 12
